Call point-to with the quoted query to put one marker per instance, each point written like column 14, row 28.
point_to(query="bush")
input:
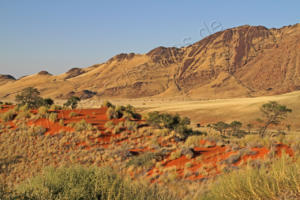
column 112, row 113
column 72, row 102
column 55, row 107
column 48, row 102
column 172, row 122
column 86, row 183
column 107, row 104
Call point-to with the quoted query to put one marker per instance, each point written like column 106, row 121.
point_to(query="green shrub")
column 166, row 120
column 55, row 107
column 107, row 104
column 72, row 102
column 112, row 113
column 77, row 183
column 47, row 102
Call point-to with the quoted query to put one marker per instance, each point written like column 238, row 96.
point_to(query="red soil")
column 52, row 127
column 207, row 161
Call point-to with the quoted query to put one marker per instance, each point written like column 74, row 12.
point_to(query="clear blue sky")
column 56, row 35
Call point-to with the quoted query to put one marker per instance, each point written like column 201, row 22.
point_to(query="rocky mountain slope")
column 238, row 62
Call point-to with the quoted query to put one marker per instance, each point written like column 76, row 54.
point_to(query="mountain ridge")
column 243, row 61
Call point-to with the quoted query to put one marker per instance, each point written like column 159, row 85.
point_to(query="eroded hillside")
column 238, row 62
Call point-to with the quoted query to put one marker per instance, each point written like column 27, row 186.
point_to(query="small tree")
column 73, row 102
column 29, row 96
column 221, row 127
column 249, row 127
column 235, row 126
column 273, row 114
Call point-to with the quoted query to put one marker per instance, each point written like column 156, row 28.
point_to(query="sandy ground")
column 245, row 110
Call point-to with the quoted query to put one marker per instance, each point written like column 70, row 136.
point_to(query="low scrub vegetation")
column 83, row 183
column 231, row 161
column 72, row 102
column 117, row 112
column 171, row 122
column 278, row 180
column 82, row 126
column 8, row 116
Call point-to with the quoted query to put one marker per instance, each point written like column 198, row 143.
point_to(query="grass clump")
column 83, row 126
column 175, row 155
column 76, row 183
column 193, row 141
column 147, row 160
column 53, row 117
column 43, row 111
column 8, row 116
column 131, row 125
column 37, row 131
column 280, row 180
column 118, row 128
column 73, row 114
column 109, row 124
